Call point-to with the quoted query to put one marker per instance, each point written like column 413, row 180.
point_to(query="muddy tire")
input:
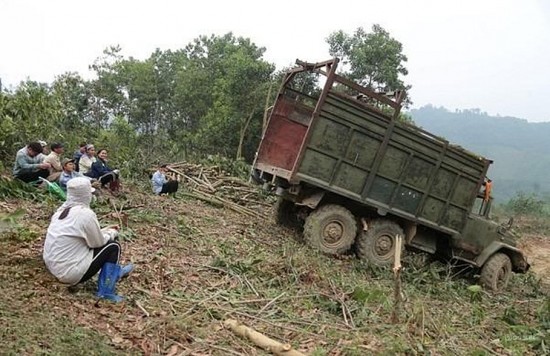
column 330, row 229
column 286, row 214
column 496, row 272
column 377, row 244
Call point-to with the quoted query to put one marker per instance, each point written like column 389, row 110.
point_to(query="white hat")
column 79, row 187
column 42, row 143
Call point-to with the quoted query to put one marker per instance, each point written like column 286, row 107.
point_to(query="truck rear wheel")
column 377, row 243
column 286, row 214
column 496, row 272
column 330, row 229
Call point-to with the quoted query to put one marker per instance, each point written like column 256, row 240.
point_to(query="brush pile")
column 217, row 187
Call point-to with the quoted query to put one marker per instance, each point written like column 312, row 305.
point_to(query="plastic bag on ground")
column 54, row 189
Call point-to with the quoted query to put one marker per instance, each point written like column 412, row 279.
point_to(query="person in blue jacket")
column 102, row 172
column 161, row 184
column 68, row 173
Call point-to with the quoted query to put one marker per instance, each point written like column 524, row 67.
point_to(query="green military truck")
column 351, row 174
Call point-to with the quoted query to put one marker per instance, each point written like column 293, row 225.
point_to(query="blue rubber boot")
column 126, row 269
column 106, row 283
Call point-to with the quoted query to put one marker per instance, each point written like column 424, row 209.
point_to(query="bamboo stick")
column 192, row 179
column 217, row 201
column 398, row 298
column 260, row 339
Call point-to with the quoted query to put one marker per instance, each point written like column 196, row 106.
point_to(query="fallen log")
column 261, row 340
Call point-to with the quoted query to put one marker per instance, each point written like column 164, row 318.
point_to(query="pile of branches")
column 215, row 186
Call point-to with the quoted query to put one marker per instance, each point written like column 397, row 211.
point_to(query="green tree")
column 226, row 83
column 208, row 98
column 151, row 106
column 167, row 64
column 107, row 98
column 29, row 113
column 73, row 94
column 372, row 59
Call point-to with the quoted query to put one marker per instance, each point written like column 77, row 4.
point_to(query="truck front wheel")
column 496, row 272
column 330, row 229
column 377, row 243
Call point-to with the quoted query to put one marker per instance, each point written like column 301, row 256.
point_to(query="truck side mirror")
column 505, row 227
column 510, row 223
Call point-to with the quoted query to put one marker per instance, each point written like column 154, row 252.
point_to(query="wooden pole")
column 398, row 300
column 266, row 109
column 261, row 340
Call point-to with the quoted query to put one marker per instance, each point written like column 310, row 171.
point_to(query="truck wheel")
column 286, row 214
column 377, row 244
column 496, row 272
column 331, row 229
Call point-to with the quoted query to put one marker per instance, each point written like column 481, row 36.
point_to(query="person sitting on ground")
column 76, row 248
column 78, row 153
column 86, row 160
column 161, row 184
column 45, row 150
column 68, row 173
column 29, row 165
column 102, row 172
column 54, row 159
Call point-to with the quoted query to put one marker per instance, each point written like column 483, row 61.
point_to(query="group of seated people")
column 33, row 162
column 76, row 248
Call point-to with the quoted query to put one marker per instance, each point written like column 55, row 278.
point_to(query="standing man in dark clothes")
column 29, row 163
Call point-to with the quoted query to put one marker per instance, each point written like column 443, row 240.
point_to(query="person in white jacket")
column 86, row 160
column 76, row 248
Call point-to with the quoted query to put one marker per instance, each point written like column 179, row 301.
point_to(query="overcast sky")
column 490, row 54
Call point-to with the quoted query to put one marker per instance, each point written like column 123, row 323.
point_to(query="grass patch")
column 44, row 332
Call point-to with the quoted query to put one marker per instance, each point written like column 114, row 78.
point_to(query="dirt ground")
column 198, row 264
column 537, row 249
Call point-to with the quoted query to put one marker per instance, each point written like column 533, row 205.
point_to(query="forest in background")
column 518, row 148
column 209, row 99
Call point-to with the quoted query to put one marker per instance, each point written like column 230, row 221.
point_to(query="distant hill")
column 520, row 149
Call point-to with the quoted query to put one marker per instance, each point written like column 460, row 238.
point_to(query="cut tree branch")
column 261, row 340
